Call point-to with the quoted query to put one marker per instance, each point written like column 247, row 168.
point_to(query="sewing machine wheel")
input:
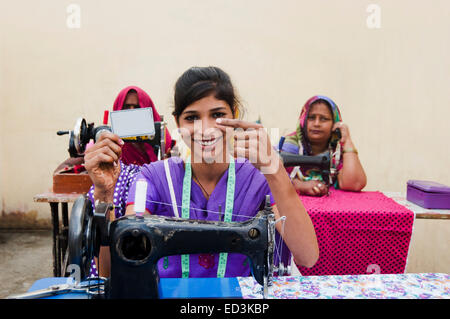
column 81, row 235
column 80, row 137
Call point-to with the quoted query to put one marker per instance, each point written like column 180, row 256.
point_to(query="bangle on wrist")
column 350, row 150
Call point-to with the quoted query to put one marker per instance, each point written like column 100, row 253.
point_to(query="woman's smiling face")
column 197, row 124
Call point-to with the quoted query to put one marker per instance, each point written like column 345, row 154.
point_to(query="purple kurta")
column 249, row 197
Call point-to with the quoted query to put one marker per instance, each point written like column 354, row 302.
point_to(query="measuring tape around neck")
column 185, row 212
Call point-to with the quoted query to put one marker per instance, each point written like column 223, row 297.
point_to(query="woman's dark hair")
column 199, row 82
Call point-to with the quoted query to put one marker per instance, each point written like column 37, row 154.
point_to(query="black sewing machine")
column 137, row 243
column 321, row 162
column 83, row 132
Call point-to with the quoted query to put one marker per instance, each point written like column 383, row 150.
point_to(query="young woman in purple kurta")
column 205, row 112
column 251, row 189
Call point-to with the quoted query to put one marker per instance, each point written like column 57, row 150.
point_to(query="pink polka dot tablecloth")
column 359, row 233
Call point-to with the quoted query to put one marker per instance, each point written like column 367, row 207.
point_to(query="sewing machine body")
column 321, row 162
column 137, row 243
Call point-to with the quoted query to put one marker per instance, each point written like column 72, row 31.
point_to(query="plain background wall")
column 391, row 83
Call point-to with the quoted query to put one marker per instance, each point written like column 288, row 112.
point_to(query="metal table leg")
column 64, row 235
column 55, row 224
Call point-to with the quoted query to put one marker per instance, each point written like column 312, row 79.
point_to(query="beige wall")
column 391, row 83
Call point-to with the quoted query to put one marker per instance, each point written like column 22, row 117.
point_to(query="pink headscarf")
column 139, row 153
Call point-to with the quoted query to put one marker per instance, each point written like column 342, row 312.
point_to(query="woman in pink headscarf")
column 133, row 97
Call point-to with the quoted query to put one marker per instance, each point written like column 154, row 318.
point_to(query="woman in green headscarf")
column 316, row 134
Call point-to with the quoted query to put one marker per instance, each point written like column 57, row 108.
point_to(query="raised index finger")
column 235, row 123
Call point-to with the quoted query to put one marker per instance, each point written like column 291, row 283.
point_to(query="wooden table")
column 60, row 232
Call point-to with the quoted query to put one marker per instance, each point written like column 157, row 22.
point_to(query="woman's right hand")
column 102, row 164
column 311, row 188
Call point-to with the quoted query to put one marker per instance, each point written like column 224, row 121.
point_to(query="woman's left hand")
column 252, row 142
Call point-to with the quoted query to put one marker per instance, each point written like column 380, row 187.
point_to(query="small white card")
column 134, row 122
